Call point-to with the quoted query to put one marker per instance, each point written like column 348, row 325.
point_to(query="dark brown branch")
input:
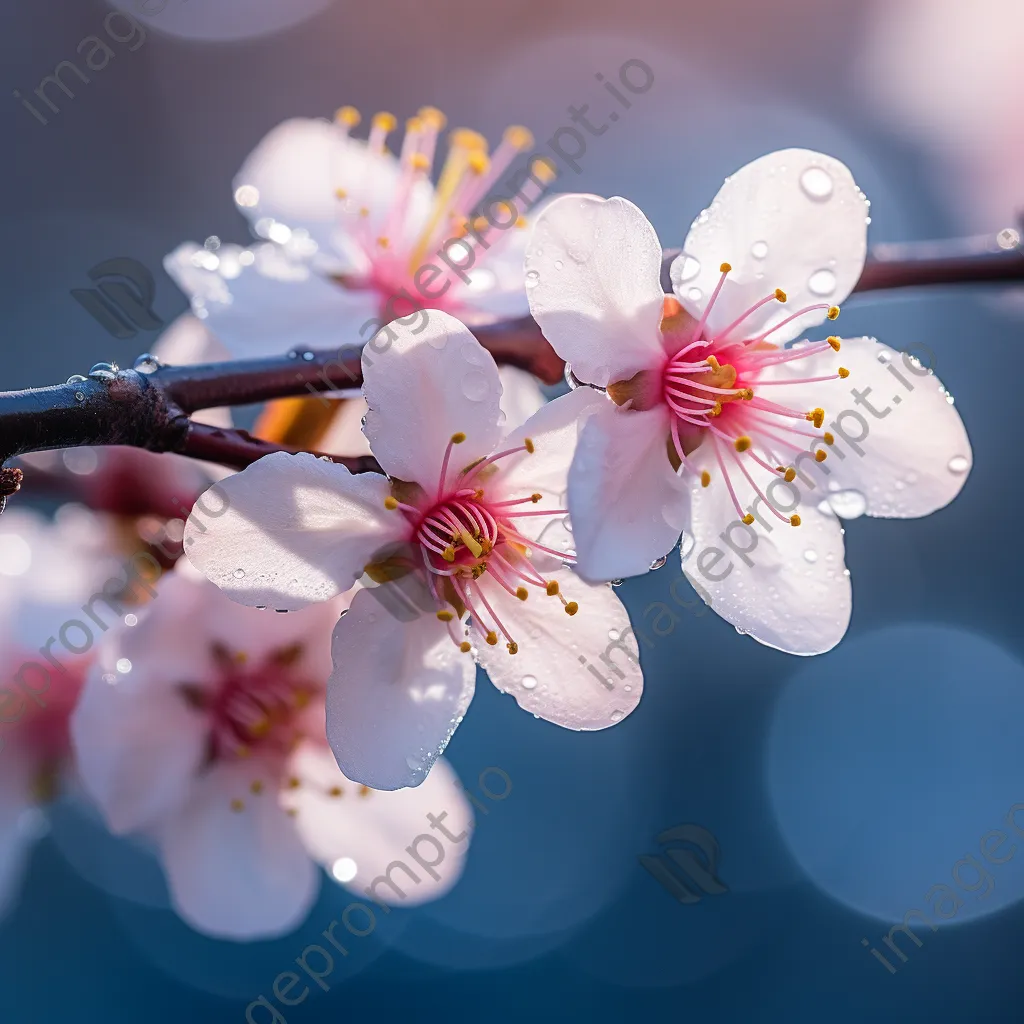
column 151, row 410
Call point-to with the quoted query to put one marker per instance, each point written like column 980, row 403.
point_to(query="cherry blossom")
column 202, row 728
column 357, row 236
column 470, row 521
column 713, row 426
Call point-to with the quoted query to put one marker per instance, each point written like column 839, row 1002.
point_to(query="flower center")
column 462, row 534
column 713, row 387
column 253, row 708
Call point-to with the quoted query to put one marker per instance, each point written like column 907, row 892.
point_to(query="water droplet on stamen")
column 817, row 184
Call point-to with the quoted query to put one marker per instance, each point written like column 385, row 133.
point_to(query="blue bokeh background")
column 840, row 789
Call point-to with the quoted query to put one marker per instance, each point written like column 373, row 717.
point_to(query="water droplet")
column 759, row 250
column 131, row 619
column 687, row 542
column 659, row 562
column 810, row 555
column 79, row 397
column 616, row 715
column 109, row 678
column 849, row 504
column 694, row 294
column 958, row 464
column 475, row 386
column 77, row 379
column 571, row 379
column 884, row 357
column 1008, row 238
column 628, row 688
column 104, row 371
column 617, row 583
column 532, row 277
column 613, row 634
column 308, row 356
column 238, row 574
column 559, row 264
column 817, row 184
column 529, row 682
column 247, row 195
column 146, row 363
column 689, row 268
column 124, row 666
column 822, row 282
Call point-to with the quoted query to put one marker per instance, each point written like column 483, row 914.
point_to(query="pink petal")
column 424, row 381
column 366, row 831
column 552, row 675
column 398, row 691
column 794, row 220
column 294, row 530
column 626, row 502
column 593, row 273
column 237, row 874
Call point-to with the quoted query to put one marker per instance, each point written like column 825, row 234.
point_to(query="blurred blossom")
column 951, row 75
column 203, row 728
column 221, row 20
column 711, row 421
column 357, row 237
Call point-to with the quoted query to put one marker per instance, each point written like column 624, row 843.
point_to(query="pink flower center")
column 714, row 384
column 462, row 534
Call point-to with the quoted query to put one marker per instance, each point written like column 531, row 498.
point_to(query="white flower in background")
column 355, row 235
column 461, row 511
column 47, row 572
column 711, row 421
column 202, row 727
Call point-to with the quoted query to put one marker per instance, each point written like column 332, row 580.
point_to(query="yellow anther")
column 340, row 193
column 237, row 805
column 432, row 117
column 335, row 791
column 829, row 438
column 364, row 211
column 843, row 372
column 256, row 786
column 725, row 268
column 365, row 791
column 790, row 475
column 714, row 363
column 780, row 295
column 492, row 638
column 535, row 497
column 742, row 443
column 834, row 342
column 458, row 438
column 716, row 409
column 468, row 139
column 820, row 455
column 518, row 136
column 705, row 478
column 746, row 394
column 294, row 782
column 478, row 162
column 528, row 444
column 522, row 593
column 552, row 588
column 833, row 312
column 414, row 124
column 390, row 503
column 448, row 554
column 347, row 115
column 260, row 727
column 419, row 162
column 481, row 224
column 572, row 608
column 544, row 170
column 513, row 647
column 385, row 120
column 816, row 416
column 748, row 519
column 465, row 647
column 444, row 615
column 794, row 520
column 383, row 241
column 781, row 469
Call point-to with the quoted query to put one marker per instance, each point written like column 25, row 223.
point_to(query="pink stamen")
column 725, row 476
column 753, row 309
column 698, row 330
column 790, row 319
column 760, row 493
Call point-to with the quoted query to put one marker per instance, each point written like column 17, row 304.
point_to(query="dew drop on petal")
column 849, row 504
column 689, row 269
column 532, row 277
column 958, row 464
column 822, row 282
column 687, row 542
column 124, row 666
column 810, row 555
column 616, row 716
column 475, row 386
column 238, row 573
column 817, row 184
column 529, row 682
column 617, row 583
column 759, row 250
column 613, row 634
column 884, row 357
column 559, row 264
column 694, row 294
column 659, row 562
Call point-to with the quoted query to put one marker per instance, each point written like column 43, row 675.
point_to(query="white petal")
column 521, row 395
column 425, row 381
column 554, row 430
column 795, row 217
column 548, row 676
column 295, row 530
column 908, row 457
column 137, row 743
column 790, row 590
column 358, row 834
column 398, row 691
column 626, row 503
column 237, row 874
column 593, row 273
column 345, row 435
column 274, row 304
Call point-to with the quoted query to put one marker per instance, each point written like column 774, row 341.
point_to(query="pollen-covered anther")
column 237, row 805
column 535, row 497
column 794, row 520
column 419, row 162
column 790, row 475
column 518, row 136
column 747, row 520
column 820, row 455
column 340, row 193
column 445, row 616
column 390, row 503
column 347, row 116
column 478, row 162
column 834, row 342
column 385, row 121
column 458, row 438
column 714, row 363
column 843, row 372
column 513, row 647
column 742, row 443
column 572, row 608
column 465, row 647
column 528, row 444
column 448, row 554
column 725, row 268
column 433, row 117
column 816, row 416
column 705, row 478
column 780, row 295
column 256, row 787
column 492, row 638
column 829, row 438
column 522, row 593
column 833, row 312
column 335, row 791
column 552, row 588
column 716, row 409
column 746, row 394
column 383, row 241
